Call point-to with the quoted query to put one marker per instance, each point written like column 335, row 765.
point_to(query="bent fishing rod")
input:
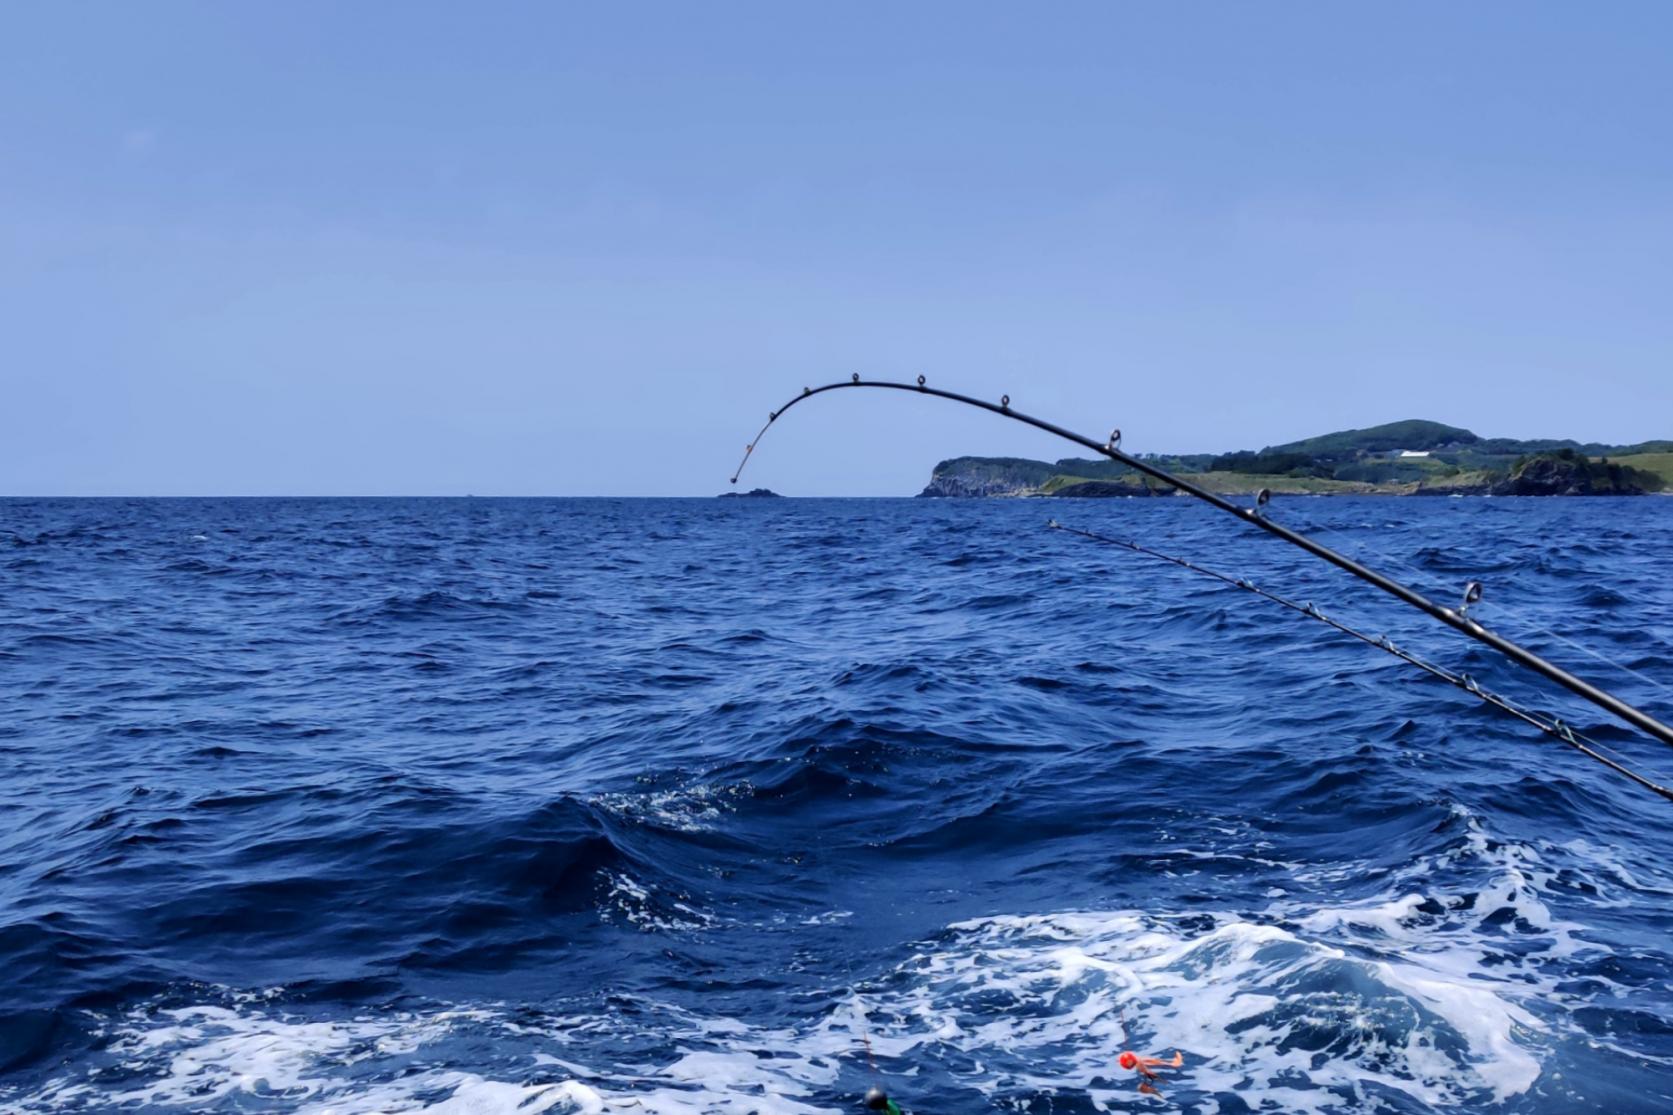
column 1455, row 618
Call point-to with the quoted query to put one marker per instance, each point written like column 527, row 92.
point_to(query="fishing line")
column 826, row 865
column 1518, row 614
column 1456, row 618
column 1550, row 725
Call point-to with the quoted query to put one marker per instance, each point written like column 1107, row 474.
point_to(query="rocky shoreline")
column 1559, row 473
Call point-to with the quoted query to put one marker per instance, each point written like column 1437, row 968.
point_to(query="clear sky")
column 583, row 249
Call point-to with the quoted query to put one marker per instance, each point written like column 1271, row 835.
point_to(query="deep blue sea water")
column 658, row 806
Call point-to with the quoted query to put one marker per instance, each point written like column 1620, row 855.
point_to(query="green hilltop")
column 1412, row 433
column 1411, row 457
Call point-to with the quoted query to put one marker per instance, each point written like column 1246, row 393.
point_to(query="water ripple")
column 589, row 805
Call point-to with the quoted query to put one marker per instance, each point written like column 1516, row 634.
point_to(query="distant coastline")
column 1416, row 457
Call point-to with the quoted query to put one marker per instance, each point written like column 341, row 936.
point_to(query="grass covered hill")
column 1410, row 457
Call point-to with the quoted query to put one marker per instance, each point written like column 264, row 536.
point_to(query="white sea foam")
column 1047, row 1002
column 1409, row 998
column 693, row 808
column 250, row 1056
column 1613, row 877
column 632, row 901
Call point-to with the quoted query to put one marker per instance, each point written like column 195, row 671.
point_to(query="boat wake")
column 1421, row 999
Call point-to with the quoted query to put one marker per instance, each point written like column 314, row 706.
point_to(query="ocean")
column 677, row 806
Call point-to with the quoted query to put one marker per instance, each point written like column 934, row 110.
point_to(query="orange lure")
column 1146, row 1067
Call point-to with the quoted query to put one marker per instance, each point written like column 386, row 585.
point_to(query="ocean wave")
column 600, row 805
column 1007, row 1011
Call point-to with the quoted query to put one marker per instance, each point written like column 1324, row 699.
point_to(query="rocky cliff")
column 967, row 477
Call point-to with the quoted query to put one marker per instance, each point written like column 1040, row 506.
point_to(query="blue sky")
column 566, row 249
